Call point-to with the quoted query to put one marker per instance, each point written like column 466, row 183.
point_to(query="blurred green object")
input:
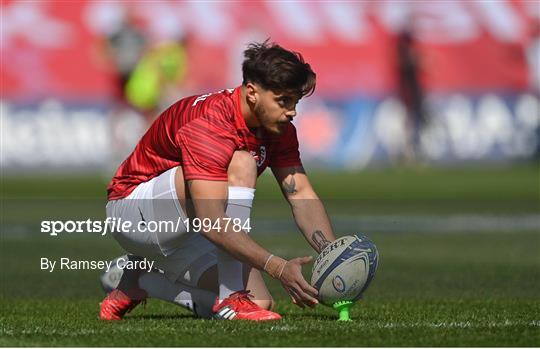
column 163, row 64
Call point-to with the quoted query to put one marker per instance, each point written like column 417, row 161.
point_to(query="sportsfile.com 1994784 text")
column 111, row 224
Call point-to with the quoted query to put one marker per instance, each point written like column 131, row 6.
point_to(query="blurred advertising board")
column 340, row 134
column 461, row 129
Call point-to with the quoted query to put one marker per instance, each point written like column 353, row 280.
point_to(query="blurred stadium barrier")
column 478, row 67
column 352, row 134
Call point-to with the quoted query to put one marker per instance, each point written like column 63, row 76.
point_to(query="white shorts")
column 182, row 255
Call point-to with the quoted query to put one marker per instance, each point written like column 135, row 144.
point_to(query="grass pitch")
column 440, row 288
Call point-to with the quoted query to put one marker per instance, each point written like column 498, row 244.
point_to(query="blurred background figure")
column 156, row 81
column 149, row 73
column 410, row 90
column 124, row 47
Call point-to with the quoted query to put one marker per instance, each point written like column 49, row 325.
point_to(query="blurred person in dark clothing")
column 410, row 90
column 125, row 47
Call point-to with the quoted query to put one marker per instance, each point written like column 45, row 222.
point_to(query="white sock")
column 197, row 300
column 230, row 270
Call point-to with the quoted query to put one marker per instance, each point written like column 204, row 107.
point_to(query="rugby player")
column 200, row 159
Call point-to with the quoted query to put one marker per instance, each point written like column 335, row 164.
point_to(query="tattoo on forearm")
column 320, row 240
column 289, row 188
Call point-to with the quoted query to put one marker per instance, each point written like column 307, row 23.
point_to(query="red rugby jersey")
column 200, row 134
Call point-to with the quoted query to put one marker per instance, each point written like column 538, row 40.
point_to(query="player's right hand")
column 292, row 280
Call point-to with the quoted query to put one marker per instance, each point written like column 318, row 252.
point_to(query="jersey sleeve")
column 286, row 152
column 207, row 146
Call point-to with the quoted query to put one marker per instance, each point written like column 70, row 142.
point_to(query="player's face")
column 275, row 111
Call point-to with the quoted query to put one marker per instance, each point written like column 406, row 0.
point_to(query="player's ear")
column 252, row 92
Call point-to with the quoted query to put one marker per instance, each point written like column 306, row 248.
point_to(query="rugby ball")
column 344, row 269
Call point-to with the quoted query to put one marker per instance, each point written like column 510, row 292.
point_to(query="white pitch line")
column 416, row 223
column 454, row 324
column 288, row 328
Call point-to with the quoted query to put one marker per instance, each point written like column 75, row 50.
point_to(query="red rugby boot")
column 239, row 306
column 118, row 303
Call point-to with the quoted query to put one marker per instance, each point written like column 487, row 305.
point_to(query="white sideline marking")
column 284, row 328
column 287, row 328
column 416, row 223
column 454, row 324
column 457, row 324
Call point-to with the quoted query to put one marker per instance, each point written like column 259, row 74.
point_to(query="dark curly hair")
column 277, row 69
